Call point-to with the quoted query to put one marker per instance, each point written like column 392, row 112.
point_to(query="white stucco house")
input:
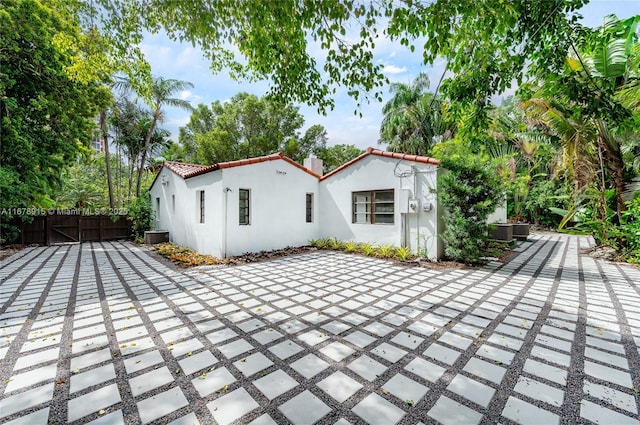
column 272, row 202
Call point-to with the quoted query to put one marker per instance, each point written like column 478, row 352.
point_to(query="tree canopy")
column 414, row 120
column 47, row 111
column 309, row 49
column 247, row 126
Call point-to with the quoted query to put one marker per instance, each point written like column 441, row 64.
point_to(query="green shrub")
column 469, row 191
column 385, row 251
column 336, row 244
column 350, row 247
column 630, row 231
column 542, row 197
column 141, row 215
column 366, row 249
column 403, row 253
column 322, row 243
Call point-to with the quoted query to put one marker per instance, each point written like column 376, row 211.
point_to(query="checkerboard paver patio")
column 103, row 333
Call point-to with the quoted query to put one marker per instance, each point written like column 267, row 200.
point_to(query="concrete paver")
column 104, row 333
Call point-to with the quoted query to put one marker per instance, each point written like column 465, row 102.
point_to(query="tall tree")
column 247, row 126
column 131, row 124
column 162, row 91
column 47, row 113
column 414, row 120
column 202, row 120
column 334, row 156
column 597, row 70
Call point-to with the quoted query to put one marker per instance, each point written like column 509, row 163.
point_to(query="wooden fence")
column 68, row 226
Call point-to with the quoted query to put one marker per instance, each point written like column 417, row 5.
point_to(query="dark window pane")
column 384, row 196
column 243, row 210
column 381, row 203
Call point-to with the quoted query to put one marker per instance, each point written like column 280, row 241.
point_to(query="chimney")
column 314, row 164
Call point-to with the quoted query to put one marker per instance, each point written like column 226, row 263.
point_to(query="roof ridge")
column 386, row 154
column 197, row 170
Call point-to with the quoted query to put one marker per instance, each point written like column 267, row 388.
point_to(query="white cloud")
column 392, row 69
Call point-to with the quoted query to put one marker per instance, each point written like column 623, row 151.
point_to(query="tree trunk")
column 615, row 164
column 132, row 162
column 143, row 159
column 616, row 167
column 147, row 142
column 107, row 156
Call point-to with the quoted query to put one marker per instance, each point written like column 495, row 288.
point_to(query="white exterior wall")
column 415, row 230
column 277, row 207
column 183, row 223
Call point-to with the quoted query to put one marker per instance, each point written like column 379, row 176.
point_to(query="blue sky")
column 184, row 62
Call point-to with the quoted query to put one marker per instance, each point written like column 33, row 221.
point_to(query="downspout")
column 415, row 195
column 225, row 221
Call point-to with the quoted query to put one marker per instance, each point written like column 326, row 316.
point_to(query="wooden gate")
column 63, row 228
column 70, row 227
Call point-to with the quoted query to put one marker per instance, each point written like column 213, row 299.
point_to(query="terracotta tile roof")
column 185, row 170
column 191, row 170
column 378, row 152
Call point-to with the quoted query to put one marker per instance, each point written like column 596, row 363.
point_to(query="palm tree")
column 606, row 71
column 162, row 91
column 413, row 119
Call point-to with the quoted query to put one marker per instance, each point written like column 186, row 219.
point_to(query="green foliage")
column 162, row 90
column 630, row 231
column 385, row 251
column 625, row 238
column 366, row 249
column 320, row 243
column 403, row 253
column 469, row 191
column 414, row 120
column 279, row 40
column 454, row 148
column 508, row 39
column 130, row 125
column 336, row 244
column 587, row 106
column 48, row 111
column 543, row 196
column 247, row 126
column 334, row 156
column 141, row 214
column 12, row 192
column 350, row 247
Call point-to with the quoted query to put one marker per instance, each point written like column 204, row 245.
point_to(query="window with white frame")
column 373, row 207
column 243, row 206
